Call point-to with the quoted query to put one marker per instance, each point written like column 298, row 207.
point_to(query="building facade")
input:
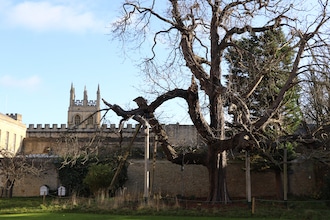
column 12, row 132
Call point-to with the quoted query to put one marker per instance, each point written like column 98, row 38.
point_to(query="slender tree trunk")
column 224, row 196
column 213, row 175
column 9, row 188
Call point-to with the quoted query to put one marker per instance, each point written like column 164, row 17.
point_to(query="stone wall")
column 167, row 178
column 29, row 185
column 191, row 181
column 178, row 134
column 59, row 140
column 302, row 179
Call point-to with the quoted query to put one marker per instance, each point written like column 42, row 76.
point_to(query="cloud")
column 46, row 16
column 30, row 83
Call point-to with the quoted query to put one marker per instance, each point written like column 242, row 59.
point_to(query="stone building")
column 84, row 125
column 85, row 113
column 12, row 132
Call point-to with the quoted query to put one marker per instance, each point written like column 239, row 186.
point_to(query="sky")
column 47, row 45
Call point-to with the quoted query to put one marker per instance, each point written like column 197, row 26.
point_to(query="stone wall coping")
column 64, row 127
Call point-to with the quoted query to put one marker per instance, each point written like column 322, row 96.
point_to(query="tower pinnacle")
column 72, row 95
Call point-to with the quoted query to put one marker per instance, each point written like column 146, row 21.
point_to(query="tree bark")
column 217, row 178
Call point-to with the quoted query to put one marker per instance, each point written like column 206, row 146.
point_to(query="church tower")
column 84, row 113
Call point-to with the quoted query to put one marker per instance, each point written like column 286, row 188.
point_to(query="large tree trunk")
column 217, row 163
column 217, row 160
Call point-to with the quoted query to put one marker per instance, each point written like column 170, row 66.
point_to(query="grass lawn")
column 53, row 209
column 85, row 216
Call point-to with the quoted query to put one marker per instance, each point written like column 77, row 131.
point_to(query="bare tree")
column 15, row 167
column 188, row 39
column 316, row 105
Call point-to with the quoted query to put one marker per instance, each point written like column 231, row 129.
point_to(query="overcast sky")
column 47, row 45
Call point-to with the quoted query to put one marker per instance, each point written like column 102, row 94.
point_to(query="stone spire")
column 98, row 96
column 72, row 95
column 85, row 97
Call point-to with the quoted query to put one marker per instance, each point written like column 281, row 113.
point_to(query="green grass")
column 64, row 208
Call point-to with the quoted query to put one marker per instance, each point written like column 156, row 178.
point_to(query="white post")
column 146, row 162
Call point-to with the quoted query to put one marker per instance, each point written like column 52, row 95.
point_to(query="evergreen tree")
column 265, row 60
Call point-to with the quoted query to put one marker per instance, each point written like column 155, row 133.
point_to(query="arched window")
column 90, row 120
column 77, row 120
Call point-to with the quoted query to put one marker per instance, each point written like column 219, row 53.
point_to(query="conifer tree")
column 266, row 59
